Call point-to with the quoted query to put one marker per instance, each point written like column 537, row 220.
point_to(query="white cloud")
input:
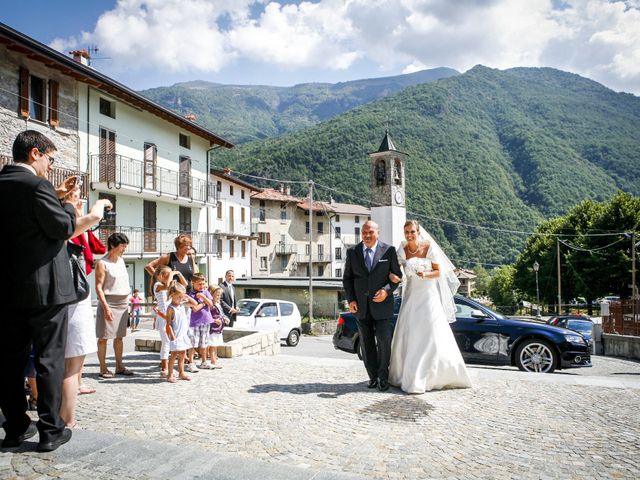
column 596, row 38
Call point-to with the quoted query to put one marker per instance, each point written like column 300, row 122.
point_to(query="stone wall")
column 621, row 346
column 65, row 136
column 320, row 328
column 236, row 343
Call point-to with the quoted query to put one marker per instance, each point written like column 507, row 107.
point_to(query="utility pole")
column 559, row 281
column 634, row 299
column 310, row 251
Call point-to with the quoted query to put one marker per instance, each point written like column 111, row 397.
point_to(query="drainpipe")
column 209, row 257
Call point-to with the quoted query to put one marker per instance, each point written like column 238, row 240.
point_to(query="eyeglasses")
column 49, row 157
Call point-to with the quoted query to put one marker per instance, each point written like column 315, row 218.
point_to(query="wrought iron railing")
column 286, row 249
column 118, row 170
column 159, row 241
column 623, row 318
column 57, row 175
column 318, row 258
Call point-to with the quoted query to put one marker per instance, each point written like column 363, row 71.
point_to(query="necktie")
column 368, row 258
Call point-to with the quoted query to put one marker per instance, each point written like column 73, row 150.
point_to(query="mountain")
column 242, row 113
column 499, row 149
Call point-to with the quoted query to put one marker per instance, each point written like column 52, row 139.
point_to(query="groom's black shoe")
column 50, row 444
column 12, row 442
column 373, row 383
column 383, row 385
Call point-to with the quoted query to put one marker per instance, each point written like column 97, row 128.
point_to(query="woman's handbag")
column 78, row 272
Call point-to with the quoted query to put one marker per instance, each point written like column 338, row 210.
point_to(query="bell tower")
column 388, row 207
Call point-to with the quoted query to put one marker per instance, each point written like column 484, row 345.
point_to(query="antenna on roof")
column 93, row 50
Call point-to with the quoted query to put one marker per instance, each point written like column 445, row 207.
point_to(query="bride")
column 424, row 353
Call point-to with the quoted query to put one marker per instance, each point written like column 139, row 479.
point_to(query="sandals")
column 125, row 371
column 85, row 390
column 106, row 374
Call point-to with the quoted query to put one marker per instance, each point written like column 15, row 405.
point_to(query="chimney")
column 191, row 117
column 288, row 190
column 81, row 56
column 281, row 188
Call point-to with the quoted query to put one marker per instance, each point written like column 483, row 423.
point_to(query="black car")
column 485, row 336
column 578, row 323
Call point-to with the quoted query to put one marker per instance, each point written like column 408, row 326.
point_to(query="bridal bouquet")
column 418, row 266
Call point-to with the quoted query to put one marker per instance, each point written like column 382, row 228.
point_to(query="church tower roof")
column 387, row 144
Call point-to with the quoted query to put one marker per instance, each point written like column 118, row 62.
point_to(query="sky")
column 149, row 43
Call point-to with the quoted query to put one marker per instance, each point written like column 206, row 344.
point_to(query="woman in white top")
column 112, row 289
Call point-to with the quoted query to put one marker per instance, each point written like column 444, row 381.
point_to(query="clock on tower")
column 388, row 207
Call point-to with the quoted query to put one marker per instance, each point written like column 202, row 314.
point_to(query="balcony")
column 348, row 239
column 117, row 171
column 57, row 175
column 145, row 242
column 318, row 258
column 286, row 249
column 232, row 229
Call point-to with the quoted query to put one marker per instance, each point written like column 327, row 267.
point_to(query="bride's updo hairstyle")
column 412, row 222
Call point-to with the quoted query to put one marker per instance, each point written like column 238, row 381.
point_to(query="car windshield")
column 247, row 307
column 464, row 307
column 579, row 326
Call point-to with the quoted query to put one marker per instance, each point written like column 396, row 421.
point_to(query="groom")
column 370, row 295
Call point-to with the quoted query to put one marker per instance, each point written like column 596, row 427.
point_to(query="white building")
column 149, row 161
column 230, row 222
column 346, row 223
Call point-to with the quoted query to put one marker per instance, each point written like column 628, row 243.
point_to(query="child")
column 135, row 301
column 200, row 321
column 219, row 321
column 178, row 328
column 163, row 276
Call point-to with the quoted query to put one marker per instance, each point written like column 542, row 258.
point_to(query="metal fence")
column 623, row 318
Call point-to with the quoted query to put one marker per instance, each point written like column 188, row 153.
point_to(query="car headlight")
column 578, row 339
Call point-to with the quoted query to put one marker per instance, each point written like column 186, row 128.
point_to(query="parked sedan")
column 485, row 336
column 267, row 314
column 577, row 323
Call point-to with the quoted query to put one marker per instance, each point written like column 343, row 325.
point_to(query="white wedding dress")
column 424, row 352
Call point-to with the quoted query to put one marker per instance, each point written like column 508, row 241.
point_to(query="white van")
column 268, row 314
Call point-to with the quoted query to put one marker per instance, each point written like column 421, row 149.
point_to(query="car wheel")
column 536, row 356
column 293, row 338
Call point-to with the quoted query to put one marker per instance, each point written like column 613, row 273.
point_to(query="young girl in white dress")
column 178, row 328
column 163, row 275
column 424, row 352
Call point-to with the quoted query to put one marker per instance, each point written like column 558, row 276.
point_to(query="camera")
column 108, row 214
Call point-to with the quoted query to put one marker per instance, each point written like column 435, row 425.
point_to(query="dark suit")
column 374, row 319
column 228, row 302
column 36, row 285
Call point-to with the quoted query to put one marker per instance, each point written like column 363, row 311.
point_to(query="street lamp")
column 536, row 267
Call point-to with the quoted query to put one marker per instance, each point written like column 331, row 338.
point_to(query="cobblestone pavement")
column 317, row 414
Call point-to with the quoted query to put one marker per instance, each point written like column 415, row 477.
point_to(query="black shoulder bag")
column 78, row 272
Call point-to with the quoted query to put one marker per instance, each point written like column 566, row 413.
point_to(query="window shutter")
column 268, row 238
column 54, row 117
column 23, row 108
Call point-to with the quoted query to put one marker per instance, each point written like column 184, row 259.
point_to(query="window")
column 33, row 101
column 319, row 213
column 264, row 239
column 242, row 194
column 356, row 231
column 184, row 141
column 231, row 190
column 218, row 186
column 268, row 310
column 243, row 249
column 320, row 227
column 338, row 272
column 231, row 249
column 250, row 292
column 219, row 242
column 284, row 261
column 262, row 214
column 320, row 252
column 336, row 218
column 338, row 231
column 283, row 212
column 184, row 220
column 307, row 249
column 357, row 219
column 307, row 228
column 263, row 263
column 219, row 210
column 231, row 220
column 286, row 309
column 107, row 108
column 307, row 271
column 243, row 216
column 338, row 253
column 149, row 223
column 320, row 270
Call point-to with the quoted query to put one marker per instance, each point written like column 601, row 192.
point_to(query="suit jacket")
column 33, row 245
column 361, row 285
column 227, row 302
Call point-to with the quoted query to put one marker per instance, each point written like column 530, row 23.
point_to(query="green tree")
column 502, row 289
column 483, row 277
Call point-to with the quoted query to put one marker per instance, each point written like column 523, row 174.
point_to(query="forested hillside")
column 500, row 149
column 242, row 113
